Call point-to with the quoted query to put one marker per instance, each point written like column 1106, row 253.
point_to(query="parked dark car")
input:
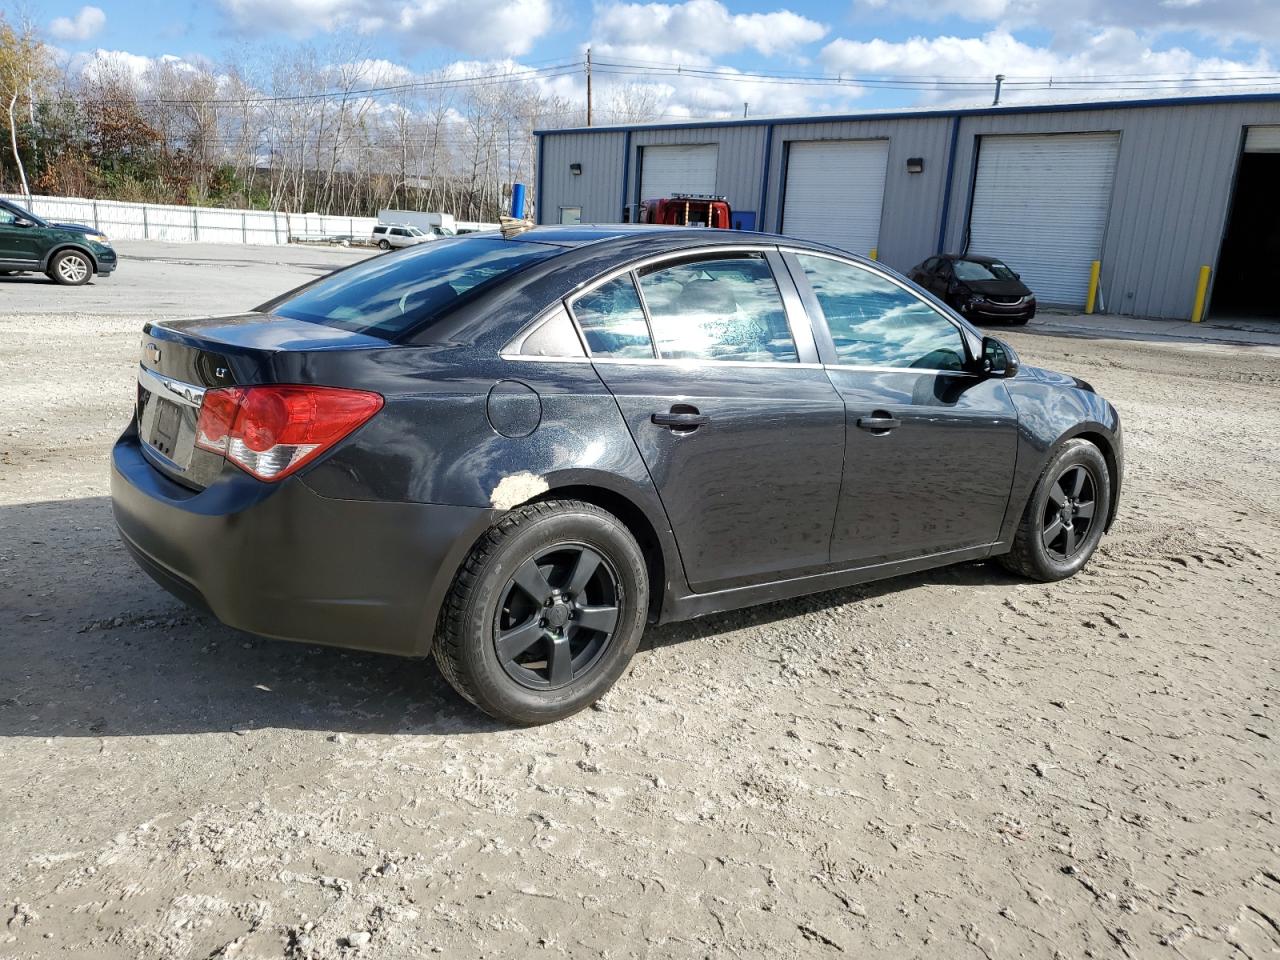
column 980, row 288
column 69, row 253
column 515, row 453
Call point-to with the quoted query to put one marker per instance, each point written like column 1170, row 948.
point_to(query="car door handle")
column 878, row 424
column 681, row 420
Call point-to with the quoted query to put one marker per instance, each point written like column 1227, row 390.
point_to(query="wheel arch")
column 62, row 248
column 1104, row 443
column 653, row 546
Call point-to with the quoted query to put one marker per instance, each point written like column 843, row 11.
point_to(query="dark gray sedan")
column 514, row 453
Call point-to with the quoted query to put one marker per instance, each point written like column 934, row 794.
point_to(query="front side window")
column 612, row 321
column 386, row 296
column 875, row 322
column 727, row 308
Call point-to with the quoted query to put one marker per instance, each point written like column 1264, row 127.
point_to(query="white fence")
column 153, row 221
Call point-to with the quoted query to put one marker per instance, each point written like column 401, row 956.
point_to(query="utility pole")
column 588, row 86
column 999, row 84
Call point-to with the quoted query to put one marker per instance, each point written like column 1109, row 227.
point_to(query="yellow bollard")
column 1095, row 268
column 1202, row 287
column 875, row 253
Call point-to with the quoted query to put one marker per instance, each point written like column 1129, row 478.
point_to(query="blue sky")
column 958, row 39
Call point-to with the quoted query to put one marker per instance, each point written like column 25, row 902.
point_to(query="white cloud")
column 473, row 26
column 1251, row 20
column 1109, row 52
column 697, row 30
column 87, row 23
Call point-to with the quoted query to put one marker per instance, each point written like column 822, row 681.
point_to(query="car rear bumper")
column 282, row 561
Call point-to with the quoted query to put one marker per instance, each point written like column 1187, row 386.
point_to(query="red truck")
column 687, row 210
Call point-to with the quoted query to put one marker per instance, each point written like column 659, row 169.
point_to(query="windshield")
column 973, row 270
column 387, row 295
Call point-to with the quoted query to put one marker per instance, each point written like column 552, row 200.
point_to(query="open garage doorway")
column 1246, row 284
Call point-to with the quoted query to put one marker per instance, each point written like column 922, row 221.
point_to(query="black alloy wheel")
column 1069, row 512
column 557, row 616
column 1065, row 516
column 545, row 613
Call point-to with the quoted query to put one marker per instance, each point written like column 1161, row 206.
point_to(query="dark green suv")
column 69, row 253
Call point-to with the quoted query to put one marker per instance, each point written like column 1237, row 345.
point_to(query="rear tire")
column 545, row 613
column 71, row 268
column 1064, row 519
column 384, row 245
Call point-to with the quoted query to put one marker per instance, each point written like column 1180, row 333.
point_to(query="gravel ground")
column 957, row 763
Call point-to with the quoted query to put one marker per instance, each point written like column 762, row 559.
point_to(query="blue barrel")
column 517, row 199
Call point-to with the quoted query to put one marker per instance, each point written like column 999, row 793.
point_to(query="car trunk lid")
column 182, row 359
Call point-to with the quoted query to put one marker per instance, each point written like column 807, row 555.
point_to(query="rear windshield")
column 974, row 270
column 392, row 293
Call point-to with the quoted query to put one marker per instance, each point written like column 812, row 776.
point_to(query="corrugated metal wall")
column 597, row 190
column 1174, row 177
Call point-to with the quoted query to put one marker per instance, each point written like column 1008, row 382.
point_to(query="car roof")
column 636, row 237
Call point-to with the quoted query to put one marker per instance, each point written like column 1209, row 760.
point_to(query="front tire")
column 71, row 268
column 545, row 613
column 1064, row 520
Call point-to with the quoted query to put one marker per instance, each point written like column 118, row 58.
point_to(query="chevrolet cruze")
column 515, row 452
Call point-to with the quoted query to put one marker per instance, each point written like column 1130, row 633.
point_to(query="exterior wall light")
column 915, row 164
column 575, row 169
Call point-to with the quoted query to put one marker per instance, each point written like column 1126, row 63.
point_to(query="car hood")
column 1054, row 378
column 998, row 288
column 75, row 228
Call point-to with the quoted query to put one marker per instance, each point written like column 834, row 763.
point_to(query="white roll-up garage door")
column 835, row 192
column 1262, row 140
column 682, row 168
column 1040, row 204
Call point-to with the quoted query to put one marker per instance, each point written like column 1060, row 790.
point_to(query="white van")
column 388, row 235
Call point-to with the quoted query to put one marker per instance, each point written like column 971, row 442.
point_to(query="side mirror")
column 998, row 358
column 23, row 222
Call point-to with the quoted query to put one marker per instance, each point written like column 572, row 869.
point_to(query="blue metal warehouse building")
column 1152, row 189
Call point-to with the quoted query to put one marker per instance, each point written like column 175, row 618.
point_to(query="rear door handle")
column 681, row 418
column 878, row 424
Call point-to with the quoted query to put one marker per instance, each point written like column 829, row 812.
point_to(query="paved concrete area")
column 1113, row 327
column 180, row 279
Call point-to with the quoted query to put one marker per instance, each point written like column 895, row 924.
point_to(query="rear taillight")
column 271, row 431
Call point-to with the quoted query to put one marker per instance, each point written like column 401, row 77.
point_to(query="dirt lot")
column 957, row 764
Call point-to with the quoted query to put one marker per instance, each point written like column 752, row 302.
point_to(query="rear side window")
column 874, row 322
column 612, row 320
column 723, row 309
column 386, row 296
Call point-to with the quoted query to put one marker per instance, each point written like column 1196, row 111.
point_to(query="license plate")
column 166, row 427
